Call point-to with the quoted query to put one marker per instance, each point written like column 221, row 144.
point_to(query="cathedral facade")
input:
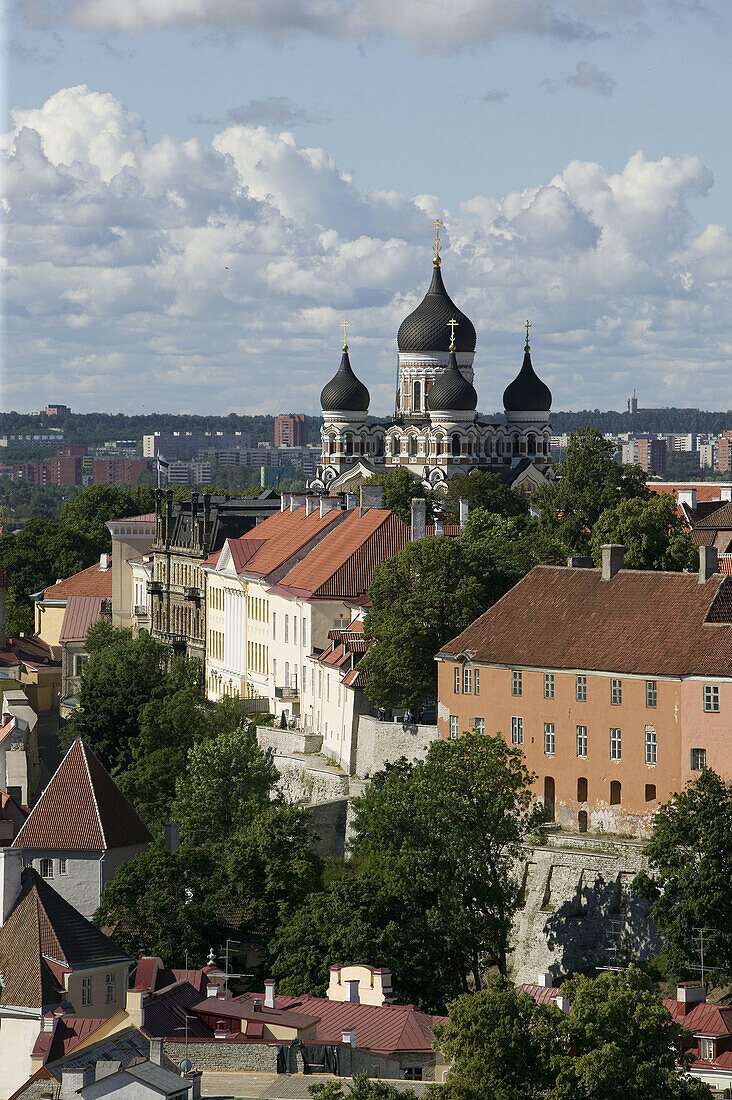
column 435, row 431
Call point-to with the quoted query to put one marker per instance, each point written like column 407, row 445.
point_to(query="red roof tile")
column 542, row 994
column 639, row 622
column 705, row 490
column 702, row 1019
column 81, row 613
column 82, row 808
column 89, row 582
column 243, row 550
column 69, row 1033
column 287, row 533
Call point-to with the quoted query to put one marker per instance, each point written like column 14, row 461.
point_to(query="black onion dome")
column 452, row 391
column 426, row 328
column 527, row 392
column 344, row 391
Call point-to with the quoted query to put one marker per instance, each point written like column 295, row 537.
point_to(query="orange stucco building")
column 616, row 683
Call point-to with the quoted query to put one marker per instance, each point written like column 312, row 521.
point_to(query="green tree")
column 500, row 551
column 230, row 777
column 419, row 600
column 483, row 489
column 89, row 512
column 361, row 1087
column 690, row 854
column 588, row 483
column 400, row 487
column 652, row 532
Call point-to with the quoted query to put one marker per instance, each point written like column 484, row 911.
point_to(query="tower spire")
column 437, row 225
column 452, row 325
column 527, row 326
column 346, row 326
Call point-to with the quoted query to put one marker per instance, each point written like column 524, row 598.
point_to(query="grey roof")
column 527, row 392
column 452, row 390
column 344, row 391
column 425, row 329
column 158, row 1077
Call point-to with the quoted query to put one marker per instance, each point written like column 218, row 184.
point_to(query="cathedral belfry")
column 435, row 431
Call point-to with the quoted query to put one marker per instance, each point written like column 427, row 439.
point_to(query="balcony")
column 155, row 588
column 141, row 611
column 190, row 592
column 287, row 692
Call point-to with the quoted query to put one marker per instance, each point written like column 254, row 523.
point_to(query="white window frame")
column 581, row 742
column 616, row 693
column 706, row 1049
column 580, row 689
column 548, row 685
column 479, row 725
column 286, row 638
column 476, row 681
column 616, row 743
column 711, row 698
column 698, row 760
column 87, row 991
column 517, row 730
column 46, row 868
column 62, row 866
column 652, row 693
column 467, row 680
column 517, row 683
column 454, row 727
column 549, row 739
column 110, row 981
column 651, row 746
column 456, row 684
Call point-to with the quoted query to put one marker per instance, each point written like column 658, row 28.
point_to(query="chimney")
column 353, row 996
column 257, row 1006
column 172, row 836
column 419, row 518
column 104, row 562
column 562, row 1003
column 708, row 563
column 688, row 497
column 72, row 1080
column 612, row 560
column 689, row 994
column 580, row 561
column 372, row 496
column 311, row 503
column 297, row 500
column 464, row 509
column 328, row 504
column 545, row 979
column 351, row 500
column 11, row 865
column 348, row 1036
column 48, row 1021
column 269, row 993
column 285, row 502
column 212, row 990
column 156, row 1052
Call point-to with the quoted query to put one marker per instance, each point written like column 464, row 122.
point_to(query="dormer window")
column 706, row 1050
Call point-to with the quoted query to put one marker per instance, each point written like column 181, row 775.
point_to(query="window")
column 476, row 681
column 304, row 678
column 615, row 793
column 454, row 727
column 287, row 674
column 616, row 692
column 517, row 730
column 651, row 746
column 294, row 629
column 706, row 1050
column 698, row 760
column 86, row 991
column 711, row 698
column 274, row 672
column 582, row 821
column 46, row 868
column 580, row 689
column 457, row 680
column 582, row 789
column 549, row 738
column 303, row 635
column 548, row 685
column 111, row 988
column 582, row 740
column 80, row 660
column 650, row 792
column 62, row 867
column 479, row 725
column 467, row 680
column 413, row 1073
column 615, row 744
column 287, row 628
column 274, row 626
column 651, row 693
column 516, row 683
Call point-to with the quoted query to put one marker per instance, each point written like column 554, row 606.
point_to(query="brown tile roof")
column 285, row 534
column 705, row 490
column 149, row 517
column 720, row 519
column 343, row 564
column 82, row 809
column 89, row 582
column 639, row 622
column 243, row 550
column 43, row 937
column 81, row 613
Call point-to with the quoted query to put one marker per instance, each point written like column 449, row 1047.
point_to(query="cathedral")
column 435, row 431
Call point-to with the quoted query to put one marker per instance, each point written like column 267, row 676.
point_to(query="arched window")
column 456, row 445
column 582, row 789
column 515, row 443
column 412, row 446
column 396, row 445
column 532, row 444
column 379, row 446
column 364, row 444
column 417, row 397
column 348, row 444
column 440, row 444
column 582, row 821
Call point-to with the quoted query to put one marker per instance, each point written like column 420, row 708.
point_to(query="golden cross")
column 437, row 226
column 346, row 325
column 527, row 326
column 452, row 324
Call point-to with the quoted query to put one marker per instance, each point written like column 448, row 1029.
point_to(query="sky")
column 199, row 191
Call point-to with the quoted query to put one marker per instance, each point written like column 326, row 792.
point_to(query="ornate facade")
column 435, row 432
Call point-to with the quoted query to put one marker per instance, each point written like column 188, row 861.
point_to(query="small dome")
column 527, row 392
column 452, row 391
column 344, row 392
column 425, row 329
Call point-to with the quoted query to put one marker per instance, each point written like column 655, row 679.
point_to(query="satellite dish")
column 186, row 1065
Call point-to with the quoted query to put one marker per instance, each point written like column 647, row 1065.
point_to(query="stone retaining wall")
column 380, row 743
column 218, row 1054
column 286, row 742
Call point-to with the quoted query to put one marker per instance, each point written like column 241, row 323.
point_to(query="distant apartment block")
column 118, row 471
column 723, row 452
column 58, row 410
column 707, row 455
column 183, row 446
column 290, row 430
column 651, row 454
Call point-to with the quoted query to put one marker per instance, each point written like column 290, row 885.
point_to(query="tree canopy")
column 652, row 532
column 690, row 855
column 400, row 487
column 588, row 482
column 483, row 489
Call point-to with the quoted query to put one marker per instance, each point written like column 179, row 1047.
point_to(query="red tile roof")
column 287, row 533
column 89, row 582
column 69, row 1033
column 82, row 809
column 385, row 1029
column 81, row 613
column 243, row 550
column 705, row 490
column 343, row 564
column 639, row 622
column 702, row 1019
column 542, row 994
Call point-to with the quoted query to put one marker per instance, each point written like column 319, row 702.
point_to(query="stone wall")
column 310, row 779
column 579, row 911
column 380, row 743
column 218, row 1054
column 287, row 742
column 327, row 826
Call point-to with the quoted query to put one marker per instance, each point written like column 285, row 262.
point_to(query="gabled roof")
column 82, row 809
column 640, row 622
column 44, row 937
column 702, row 1019
column 343, row 564
column 243, row 550
column 288, row 533
column 89, row 582
column 719, row 520
column 81, row 613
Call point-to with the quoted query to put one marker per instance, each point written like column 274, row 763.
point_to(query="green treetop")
column 652, row 532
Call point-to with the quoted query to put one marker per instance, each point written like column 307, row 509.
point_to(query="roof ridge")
column 93, row 792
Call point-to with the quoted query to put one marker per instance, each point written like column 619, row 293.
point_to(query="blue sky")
column 169, row 247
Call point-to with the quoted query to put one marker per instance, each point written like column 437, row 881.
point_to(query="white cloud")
column 188, row 276
column 587, row 77
column 425, row 24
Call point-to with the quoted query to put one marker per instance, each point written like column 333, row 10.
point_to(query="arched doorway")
column 549, row 794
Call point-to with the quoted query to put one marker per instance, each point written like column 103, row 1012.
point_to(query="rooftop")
column 93, row 581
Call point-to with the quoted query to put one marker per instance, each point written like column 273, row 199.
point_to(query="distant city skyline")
column 201, row 193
